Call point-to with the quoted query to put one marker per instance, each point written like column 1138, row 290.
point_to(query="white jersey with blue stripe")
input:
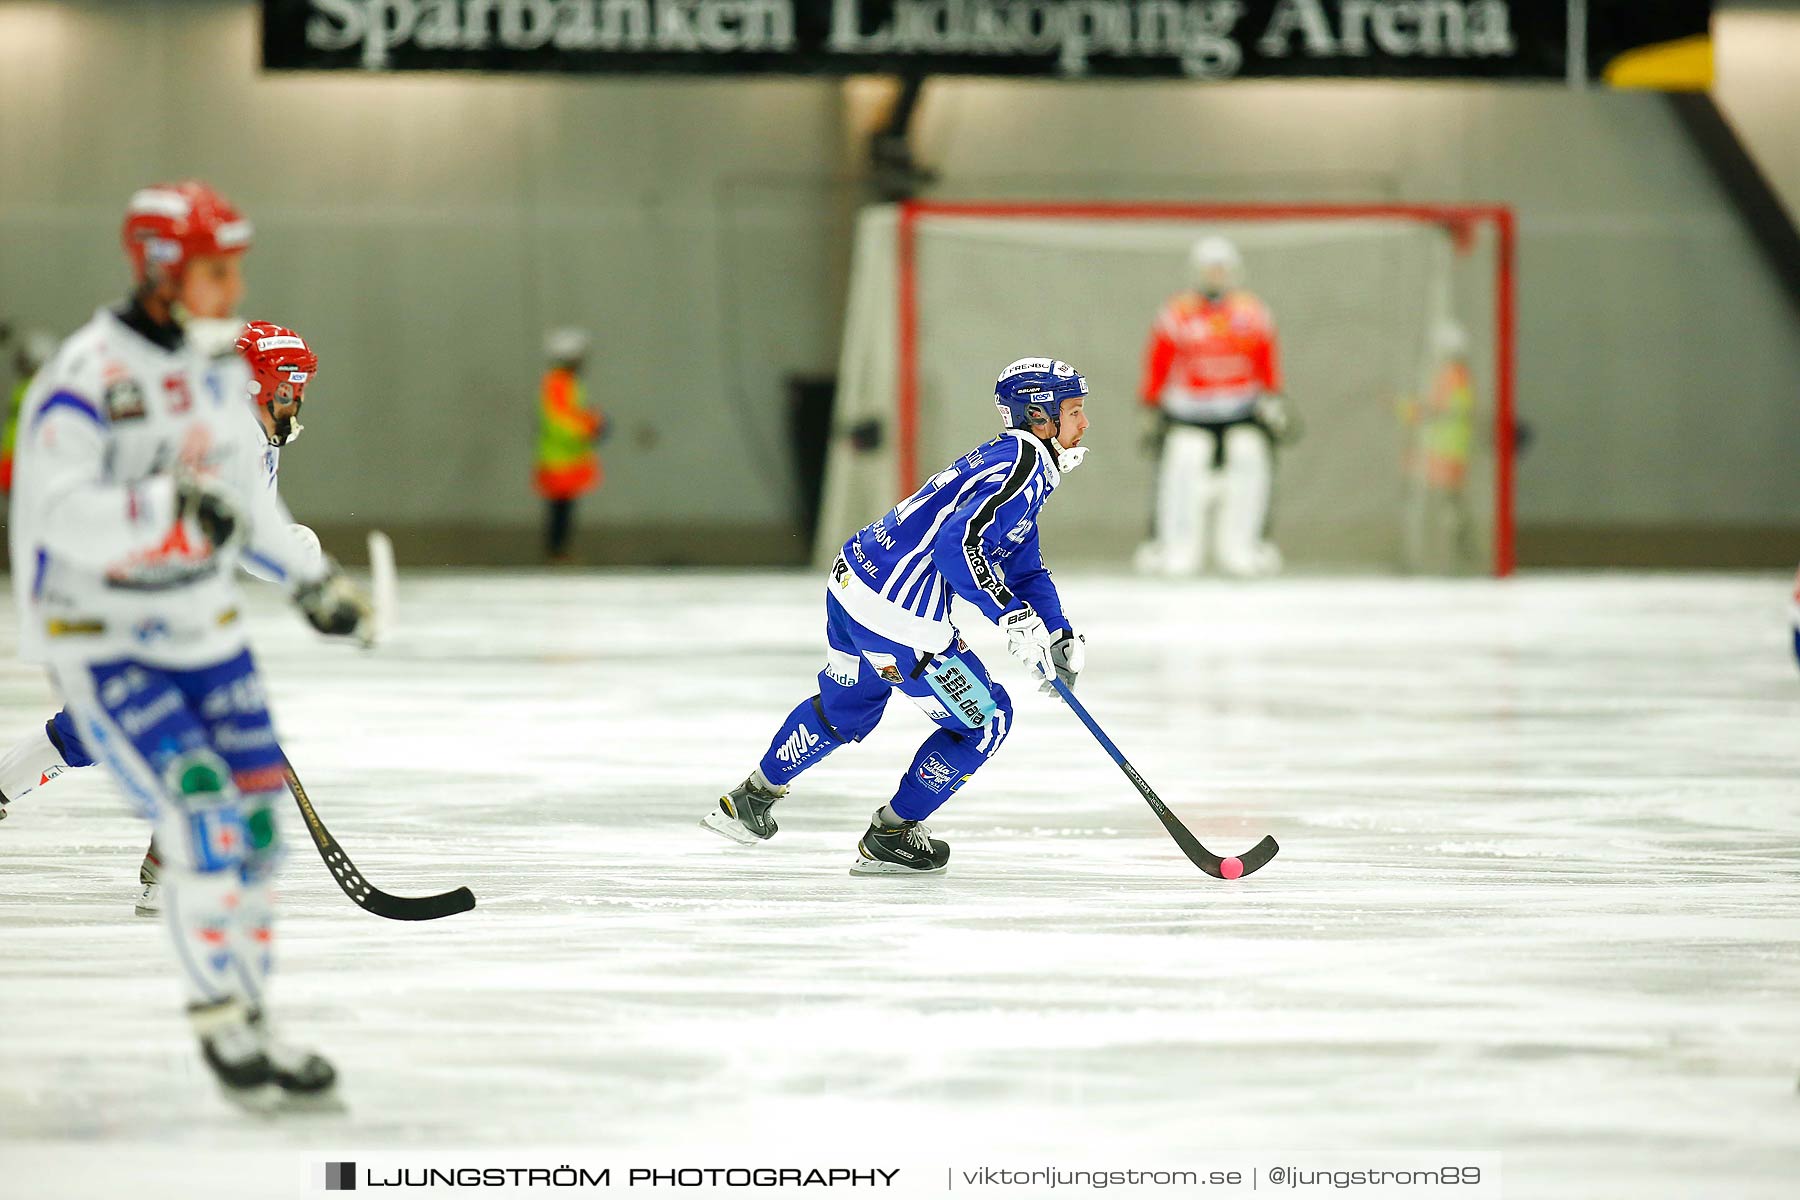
column 970, row 531
column 105, row 563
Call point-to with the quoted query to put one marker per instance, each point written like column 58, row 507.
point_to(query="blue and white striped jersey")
column 970, row 531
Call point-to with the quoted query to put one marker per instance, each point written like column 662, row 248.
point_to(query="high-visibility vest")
column 567, row 464
column 12, row 435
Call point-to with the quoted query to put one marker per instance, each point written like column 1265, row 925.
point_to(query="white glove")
column 1069, row 653
column 1272, row 412
column 1028, row 641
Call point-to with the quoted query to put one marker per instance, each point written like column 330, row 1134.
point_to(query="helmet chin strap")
column 286, row 428
column 1067, row 457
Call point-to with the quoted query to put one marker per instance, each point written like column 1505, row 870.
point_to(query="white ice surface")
column 1537, row 893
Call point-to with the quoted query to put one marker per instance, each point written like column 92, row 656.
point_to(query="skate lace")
column 918, row 837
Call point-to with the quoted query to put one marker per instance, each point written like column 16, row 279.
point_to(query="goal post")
column 944, row 294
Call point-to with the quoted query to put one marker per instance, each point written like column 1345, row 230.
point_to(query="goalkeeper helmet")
column 1217, row 268
column 1033, row 389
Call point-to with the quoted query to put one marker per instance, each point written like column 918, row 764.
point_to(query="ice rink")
column 1538, row 893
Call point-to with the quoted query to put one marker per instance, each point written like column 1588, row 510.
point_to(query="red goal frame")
column 1451, row 216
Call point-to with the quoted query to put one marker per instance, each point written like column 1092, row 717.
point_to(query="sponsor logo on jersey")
column 138, row 721
column 228, row 737
column 936, row 774
column 244, row 694
column 959, row 689
column 57, row 627
column 842, row 667
column 885, row 666
column 121, row 687
column 930, row 706
column 800, row 743
column 124, row 399
column 882, row 537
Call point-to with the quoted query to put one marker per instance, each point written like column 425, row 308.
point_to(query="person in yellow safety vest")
column 33, row 351
column 567, row 464
column 1437, row 460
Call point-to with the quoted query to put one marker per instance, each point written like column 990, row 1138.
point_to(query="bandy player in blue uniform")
column 972, row 532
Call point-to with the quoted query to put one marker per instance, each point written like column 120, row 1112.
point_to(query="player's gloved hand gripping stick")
column 1219, row 868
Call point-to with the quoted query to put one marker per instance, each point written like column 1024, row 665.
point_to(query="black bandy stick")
column 1219, row 868
column 358, row 888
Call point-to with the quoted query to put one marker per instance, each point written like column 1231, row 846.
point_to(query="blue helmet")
column 1034, row 389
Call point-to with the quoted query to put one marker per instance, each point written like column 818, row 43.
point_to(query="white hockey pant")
column 1193, row 494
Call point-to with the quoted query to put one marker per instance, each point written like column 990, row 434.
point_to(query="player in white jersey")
column 281, row 364
column 138, row 490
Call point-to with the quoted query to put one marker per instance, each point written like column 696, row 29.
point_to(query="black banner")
column 1198, row 39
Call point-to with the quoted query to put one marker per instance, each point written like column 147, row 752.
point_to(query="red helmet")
column 170, row 223
column 276, row 356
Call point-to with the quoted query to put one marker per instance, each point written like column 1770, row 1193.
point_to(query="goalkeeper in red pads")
column 970, row 532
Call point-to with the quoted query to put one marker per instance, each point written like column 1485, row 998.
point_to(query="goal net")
column 1394, row 327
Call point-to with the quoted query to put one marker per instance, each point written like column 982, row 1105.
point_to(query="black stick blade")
column 355, row 885
column 419, row 908
column 1253, row 859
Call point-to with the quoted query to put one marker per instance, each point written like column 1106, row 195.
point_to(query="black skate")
column 306, row 1079
column 744, row 813
column 907, row 849
column 235, row 1054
